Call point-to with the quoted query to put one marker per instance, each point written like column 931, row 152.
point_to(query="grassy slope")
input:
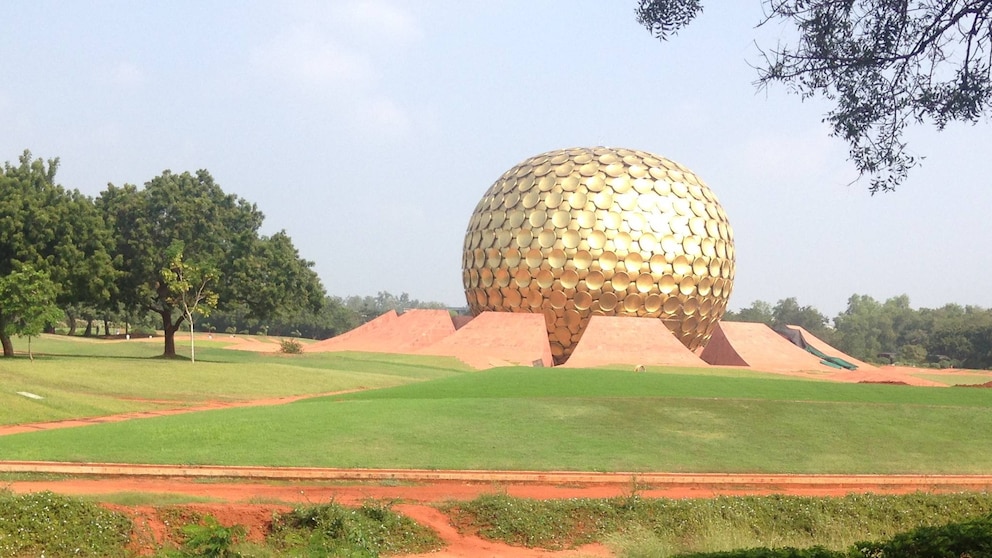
column 524, row 418
column 85, row 377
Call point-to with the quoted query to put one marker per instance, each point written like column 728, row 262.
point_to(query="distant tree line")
column 873, row 331
column 336, row 316
column 167, row 257
column 177, row 249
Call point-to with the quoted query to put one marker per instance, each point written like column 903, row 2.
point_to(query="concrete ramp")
column 498, row 339
column 759, row 347
column 392, row 333
column 819, row 344
column 630, row 341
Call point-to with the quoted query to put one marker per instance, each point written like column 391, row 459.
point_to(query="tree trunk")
column 170, row 330
column 106, row 327
column 8, row 347
column 89, row 328
column 71, row 319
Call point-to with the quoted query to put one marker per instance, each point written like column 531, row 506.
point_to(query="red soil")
column 235, row 498
column 757, row 346
column 497, row 339
column 633, row 341
column 389, row 333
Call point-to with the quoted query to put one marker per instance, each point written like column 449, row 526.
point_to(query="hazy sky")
column 369, row 130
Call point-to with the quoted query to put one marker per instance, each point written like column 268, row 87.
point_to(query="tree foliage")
column 884, row 64
column 370, row 307
column 190, row 288
column 53, row 231
column 951, row 335
column 27, row 304
column 217, row 232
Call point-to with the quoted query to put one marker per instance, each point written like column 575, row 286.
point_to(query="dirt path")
column 239, row 496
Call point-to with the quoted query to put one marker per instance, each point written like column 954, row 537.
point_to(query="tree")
column 217, row 232
column 788, row 312
column 189, row 286
column 56, row 232
column 759, row 312
column 27, row 304
column 371, row 307
column 883, row 63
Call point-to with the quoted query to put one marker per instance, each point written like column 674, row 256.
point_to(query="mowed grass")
column 558, row 419
column 86, row 377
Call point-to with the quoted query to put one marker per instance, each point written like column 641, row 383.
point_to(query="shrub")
column 47, row 524
column 968, row 538
column 334, row 530
column 290, row 346
column 211, row 539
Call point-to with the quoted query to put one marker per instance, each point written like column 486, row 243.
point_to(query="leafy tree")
column 913, row 354
column 54, row 231
column 759, row 312
column 27, row 304
column 863, row 330
column 788, row 312
column 189, row 288
column 218, row 232
column 370, row 307
column 883, row 63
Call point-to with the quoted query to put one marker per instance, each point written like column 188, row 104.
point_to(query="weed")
column 47, row 524
column 210, row 539
column 369, row 530
column 716, row 524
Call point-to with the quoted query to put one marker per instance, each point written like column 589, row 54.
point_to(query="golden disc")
column 597, row 240
column 545, row 278
column 607, row 302
column 632, row 303
column 667, row 284
column 595, row 280
column 607, row 261
column 652, row 303
column 569, row 279
column 645, row 282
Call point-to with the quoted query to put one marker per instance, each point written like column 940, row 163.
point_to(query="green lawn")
column 547, row 419
column 85, row 377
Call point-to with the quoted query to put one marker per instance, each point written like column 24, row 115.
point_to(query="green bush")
column 967, row 538
column 813, row 552
column 52, row 525
column 710, row 524
column 335, row 530
column 290, row 346
column 210, row 539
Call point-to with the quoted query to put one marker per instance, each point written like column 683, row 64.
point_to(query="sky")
column 368, row 130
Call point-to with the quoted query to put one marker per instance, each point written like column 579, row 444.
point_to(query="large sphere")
column 585, row 231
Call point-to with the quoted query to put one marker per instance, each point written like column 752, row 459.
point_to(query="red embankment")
column 498, row 339
column 759, row 347
column 630, row 341
column 392, row 333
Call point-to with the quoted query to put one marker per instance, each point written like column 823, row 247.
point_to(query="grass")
column 548, row 419
column 952, row 379
column 633, row 526
column 109, row 377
